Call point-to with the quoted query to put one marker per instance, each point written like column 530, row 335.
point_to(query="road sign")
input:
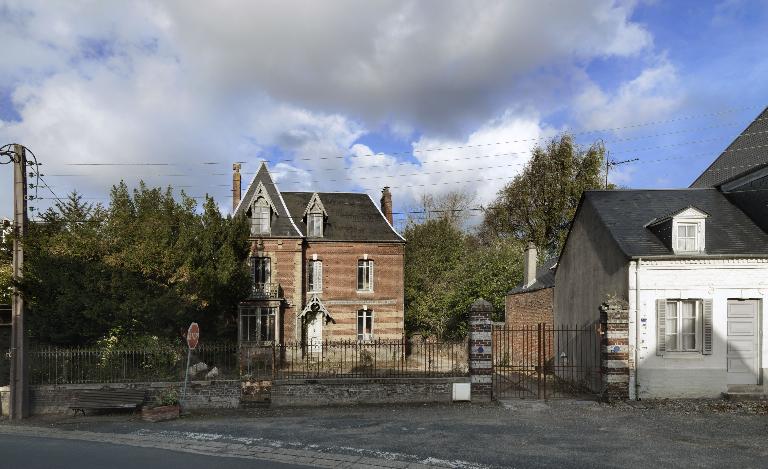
column 193, row 335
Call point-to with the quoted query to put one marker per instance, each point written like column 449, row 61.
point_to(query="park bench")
column 108, row 399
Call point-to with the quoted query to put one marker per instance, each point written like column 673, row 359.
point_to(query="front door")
column 743, row 342
column 315, row 333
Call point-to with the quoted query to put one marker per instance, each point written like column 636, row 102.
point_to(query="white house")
column 692, row 265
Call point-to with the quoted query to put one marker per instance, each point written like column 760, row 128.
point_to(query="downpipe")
column 637, row 329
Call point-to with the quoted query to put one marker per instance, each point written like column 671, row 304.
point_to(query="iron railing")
column 355, row 359
column 348, row 359
column 265, row 291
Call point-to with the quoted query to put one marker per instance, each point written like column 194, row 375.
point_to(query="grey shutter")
column 318, row 275
column 706, row 348
column 267, row 270
column 661, row 326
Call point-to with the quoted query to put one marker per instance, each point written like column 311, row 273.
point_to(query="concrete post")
column 614, row 348
column 480, row 350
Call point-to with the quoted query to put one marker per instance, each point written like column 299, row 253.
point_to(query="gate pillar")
column 480, row 350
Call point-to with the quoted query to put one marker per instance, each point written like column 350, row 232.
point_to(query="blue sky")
column 425, row 97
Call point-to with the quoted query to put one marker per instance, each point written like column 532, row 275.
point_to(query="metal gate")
column 544, row 362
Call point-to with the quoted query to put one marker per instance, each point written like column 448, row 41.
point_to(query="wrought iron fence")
column 353, row 359
column 55, row 365
column 348, row 359
column 544, row 361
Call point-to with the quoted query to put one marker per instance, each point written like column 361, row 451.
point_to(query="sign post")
column 193, row 336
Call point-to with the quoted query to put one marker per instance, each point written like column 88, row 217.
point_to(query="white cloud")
column 654, row 93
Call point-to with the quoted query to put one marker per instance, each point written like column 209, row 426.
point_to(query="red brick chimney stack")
column 386, row 204
column 236, row 186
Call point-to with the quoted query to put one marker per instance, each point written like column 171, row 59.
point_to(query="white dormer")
column 688, row 231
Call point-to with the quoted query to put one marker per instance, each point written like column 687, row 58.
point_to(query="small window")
column 365, row 275
column 315, row 276
column 687, row 237
column 261, row 270
column 365, row 324
column 315, row 225
column 261, row 215
column 682, row 326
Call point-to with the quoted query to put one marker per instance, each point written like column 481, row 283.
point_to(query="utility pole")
column 19, row 402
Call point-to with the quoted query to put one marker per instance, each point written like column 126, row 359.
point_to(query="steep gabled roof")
column 625, row 215
column 351, row 216
column 748, row 152
column 282, row 224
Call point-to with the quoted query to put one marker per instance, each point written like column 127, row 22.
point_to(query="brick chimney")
column 529, row 265
column 236, row 186
column 386, row 204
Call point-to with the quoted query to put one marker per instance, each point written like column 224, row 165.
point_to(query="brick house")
column 532, row 302
column 325, row 265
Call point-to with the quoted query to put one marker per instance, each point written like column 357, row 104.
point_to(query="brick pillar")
column 614, row 348
column 480, row 357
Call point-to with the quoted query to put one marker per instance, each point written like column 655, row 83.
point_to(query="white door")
column 743, row 342
column 315, row 333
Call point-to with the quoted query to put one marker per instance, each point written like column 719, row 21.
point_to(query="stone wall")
column 323, row 392
column 54, row 399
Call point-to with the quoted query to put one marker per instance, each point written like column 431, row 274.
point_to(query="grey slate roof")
column 748, row 152
column 545, row 278
column 351, row 216
column 625, row 214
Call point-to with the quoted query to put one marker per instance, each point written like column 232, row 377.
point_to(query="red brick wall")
column 339, row 294
column 530, row 308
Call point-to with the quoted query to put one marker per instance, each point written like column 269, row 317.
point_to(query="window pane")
column 688, row 309
column 689, row 341
column 671, row 342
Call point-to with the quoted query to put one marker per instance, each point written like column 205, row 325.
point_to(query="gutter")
column 679, row 257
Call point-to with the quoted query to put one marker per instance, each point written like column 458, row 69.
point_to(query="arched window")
column 260, row 217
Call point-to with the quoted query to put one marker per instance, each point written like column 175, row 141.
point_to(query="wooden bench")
column 108, row 399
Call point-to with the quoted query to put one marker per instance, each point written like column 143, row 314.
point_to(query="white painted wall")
column 694, row 375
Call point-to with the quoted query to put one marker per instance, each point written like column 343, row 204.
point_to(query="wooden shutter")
column 706, row 347
column 661, row 326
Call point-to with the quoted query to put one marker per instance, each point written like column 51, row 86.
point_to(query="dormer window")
column 686, row 237
column 315, row 216
column 261, row 217
column 315, row 224
column 681, row 231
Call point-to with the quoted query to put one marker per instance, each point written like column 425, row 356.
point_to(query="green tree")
column 539, row 204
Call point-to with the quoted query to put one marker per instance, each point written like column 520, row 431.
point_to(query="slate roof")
column 545, row 278
column 351, row 216
column 625, row 214
column 745, row 154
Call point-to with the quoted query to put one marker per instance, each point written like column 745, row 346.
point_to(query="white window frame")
column 366, row 266
column 315, row 276
column 367, row 316
column 698, row 239
column 697, row 334
column 690, row 238
column 261, row 217
column 315, row 224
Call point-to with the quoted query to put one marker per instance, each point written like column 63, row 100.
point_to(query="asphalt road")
column 17, row 452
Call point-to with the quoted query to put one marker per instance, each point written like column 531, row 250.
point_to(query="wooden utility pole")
column 19, row 402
